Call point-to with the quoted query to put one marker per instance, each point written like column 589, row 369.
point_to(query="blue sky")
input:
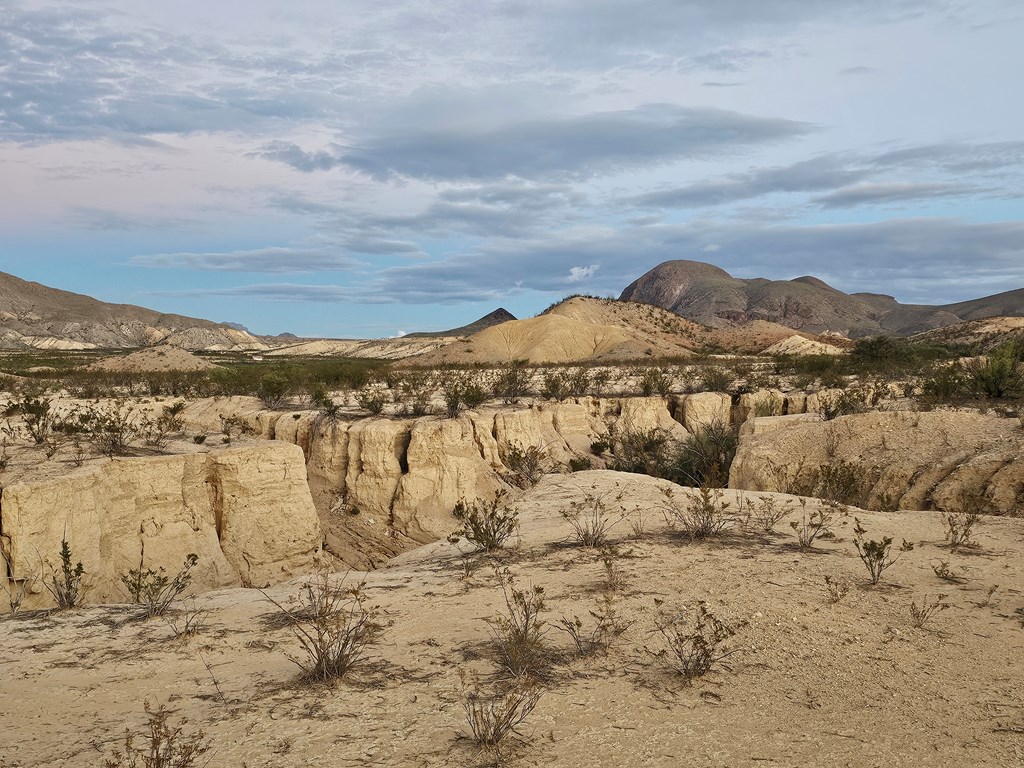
column 361, row 169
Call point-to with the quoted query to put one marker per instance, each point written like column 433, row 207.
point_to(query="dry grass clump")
column 520, row 648
column 923, row 613
column 495, row 717
column 591, row 524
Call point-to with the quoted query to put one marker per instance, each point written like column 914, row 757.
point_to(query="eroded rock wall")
column 246, row 512
column 899, row 460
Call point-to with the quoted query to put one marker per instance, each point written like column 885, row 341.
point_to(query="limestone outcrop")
column 888, row 460
column 246, row 512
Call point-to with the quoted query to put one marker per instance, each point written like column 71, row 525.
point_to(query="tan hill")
column 981, row 334
column 711, row 296
column 583, row 328
column 380, row 349
column 38, row 317
column 497, row 317
column 154, row 360
column 798, row 345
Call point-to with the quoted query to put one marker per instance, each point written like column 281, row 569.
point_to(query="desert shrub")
column 590, row 522
column 706, row 456
column 608, row 624
column 645, row 452
column 111, row 430
column 273, row 390
column 961, row 518
column 17, row 588
column 372, row 399
column 765, row 514
column 655, row 381
column 944, row 572
column 512, row 380
column 579, row 464
column 38, row 415
column 875, row 554
column 715, row 379
column 839, row 404
column 493, row 718
column 614, row 581
column 598, row 381
column 187, row 622
column 944, row 382
column 487, row 525
column 923, row 613
column 1000, row 373
column 598, row 447
column 153, row 589
column 519, row 646
column 837, row 588
column 578, row 381
column 554, row 385
column 415, row 389
column 525, row 465
column 333, row 626
column 813, row 525
column 693, row 649
column 699, row 516
column 65, row 584
column 461, row 391
column 164, row 745
column 840, row 481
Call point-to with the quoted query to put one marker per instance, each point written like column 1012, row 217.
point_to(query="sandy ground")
column 809, row 683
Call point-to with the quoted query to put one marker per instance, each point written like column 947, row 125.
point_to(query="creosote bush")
column 693, row 648
column 960, row 521
column 875, row 554
column 163, row 745
column 699, row 516
column 333, row 626
column 525, row 465
column 591, row 524
column 487, row 525
column 813, row 525
column 706, row 456
column 608, row 625
column 153, row 589
column 837, row 588
column 493, row 718
column 520, row 649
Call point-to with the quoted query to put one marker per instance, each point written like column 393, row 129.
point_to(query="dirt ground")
column 808, row 682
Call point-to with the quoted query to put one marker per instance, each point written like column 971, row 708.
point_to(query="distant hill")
column 497, row 317
column 36, row 316
column 709, row 295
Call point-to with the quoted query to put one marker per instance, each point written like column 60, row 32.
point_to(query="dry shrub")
column 923, row 613
column 591, row 524
column 486, row 525
column 693, row 649
column 494, row 717
column 837, row 588
column 165, row 745
column 333, row 627
column 813, row 525
column 608, row 625
column 698, row 517
column 519, row 632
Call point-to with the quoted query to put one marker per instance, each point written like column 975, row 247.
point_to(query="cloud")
column 919, row 259
column 863, row 194
column 813, row 175
column 578, row 274
column 575, row 147
column 861, row 70
column 298, row 293
column 279, row 260
column 847, row 175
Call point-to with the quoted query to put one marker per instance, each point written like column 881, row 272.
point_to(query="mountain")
column 709, row 295
column 497, row 317
column 36, row 316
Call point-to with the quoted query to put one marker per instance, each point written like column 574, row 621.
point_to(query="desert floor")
column 808, row 682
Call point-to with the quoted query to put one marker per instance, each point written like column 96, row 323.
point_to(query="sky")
column 361, row 168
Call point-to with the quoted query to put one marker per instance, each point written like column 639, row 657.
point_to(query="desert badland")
column 610, row 534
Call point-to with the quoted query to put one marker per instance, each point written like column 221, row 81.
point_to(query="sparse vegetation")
column 65, row 584
column 164, row 745
column 519, row 646
column 590, row 521
column 875, row 554
column 486, row 525
column 704, row 459
column 493, row 718
column 333, row 626
column 812, row 525
column 921, row 614
column 837, row 588
column 699, row 516
column 693, row 648
column 153, row 589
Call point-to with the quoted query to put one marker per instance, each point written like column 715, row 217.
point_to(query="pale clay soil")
column 811, row 683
